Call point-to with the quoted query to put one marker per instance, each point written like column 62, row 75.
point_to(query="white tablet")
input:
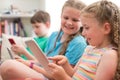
column 38, row 53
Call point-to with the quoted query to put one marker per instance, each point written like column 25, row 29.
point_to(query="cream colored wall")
column 25, row 6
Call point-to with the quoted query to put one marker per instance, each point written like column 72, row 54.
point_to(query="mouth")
column 37, row 34
column 69, row 27
column 88, row 39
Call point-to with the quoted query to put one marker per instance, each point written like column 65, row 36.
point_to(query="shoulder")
column 54, row 34
column 40, row 38
column 108, row 64
column 78, row 42
column 109, row 58
column 113, row 54
column 79, row 39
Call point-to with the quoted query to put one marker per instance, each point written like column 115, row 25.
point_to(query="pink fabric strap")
column 31, row 65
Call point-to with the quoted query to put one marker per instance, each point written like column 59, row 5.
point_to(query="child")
column 68, row 38
column 101, row 28
column 41, row 24
column 67, row 41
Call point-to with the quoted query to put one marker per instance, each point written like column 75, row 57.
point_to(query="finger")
column 62, row 61
column 52, row 65
column 17, row 57
column 20, row 60
column 54, row 59
column 58, row 57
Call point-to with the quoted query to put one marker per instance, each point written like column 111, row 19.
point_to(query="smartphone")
column 11, row 41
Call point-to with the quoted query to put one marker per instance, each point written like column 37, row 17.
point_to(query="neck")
column 46, row 35
column 64, row 37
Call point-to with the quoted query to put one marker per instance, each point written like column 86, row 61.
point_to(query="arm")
column 41, row 70
column 21, row 50
column 58, row 73
column 35, row 67
column 107, row 66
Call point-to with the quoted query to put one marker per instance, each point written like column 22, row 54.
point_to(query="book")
column 38, row 53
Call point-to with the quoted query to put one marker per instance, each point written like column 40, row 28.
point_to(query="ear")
column 107, row 28
column 48, row 24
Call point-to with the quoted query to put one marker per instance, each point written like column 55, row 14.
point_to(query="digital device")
column 38, row 53
column 11, row 41
column 11, row 55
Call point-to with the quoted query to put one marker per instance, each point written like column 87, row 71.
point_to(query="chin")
column 91, row 44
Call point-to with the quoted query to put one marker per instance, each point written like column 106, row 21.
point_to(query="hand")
column 57, row 72
column 18, row 49
column 63, row 62
column 59, row 60
column 26, row 62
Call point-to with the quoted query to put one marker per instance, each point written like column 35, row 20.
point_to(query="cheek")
column 77, row 29
column 62, row 24
column 93, row 32
column 37, row 30
column 96, row 37
column 34, row 29
column 62, row 21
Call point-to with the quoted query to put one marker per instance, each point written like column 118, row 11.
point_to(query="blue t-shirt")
column 74, row 50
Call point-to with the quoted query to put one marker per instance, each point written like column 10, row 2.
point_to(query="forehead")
column 88, row 20
column 71, row 11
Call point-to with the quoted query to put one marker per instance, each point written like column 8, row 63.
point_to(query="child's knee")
column 6, row 66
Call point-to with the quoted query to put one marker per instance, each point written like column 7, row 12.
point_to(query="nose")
column 69, row 22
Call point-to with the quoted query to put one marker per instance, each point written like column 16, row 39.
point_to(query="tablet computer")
column 38, row 53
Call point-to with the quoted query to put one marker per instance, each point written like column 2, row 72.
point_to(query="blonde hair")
column 107, row 11
column 77, row 4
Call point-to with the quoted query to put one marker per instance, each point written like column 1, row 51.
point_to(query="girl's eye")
column 76, row 20
column 66, row 18
column 86, row 28
column 36, row 26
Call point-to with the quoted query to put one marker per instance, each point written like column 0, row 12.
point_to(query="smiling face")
column 70, row 20
column 95, row 33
